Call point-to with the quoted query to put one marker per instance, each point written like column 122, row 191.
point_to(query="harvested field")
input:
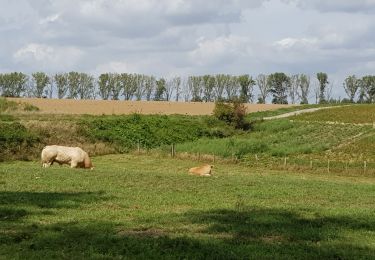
column 117, row 107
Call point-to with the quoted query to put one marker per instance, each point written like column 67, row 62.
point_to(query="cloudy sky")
column 189, row 37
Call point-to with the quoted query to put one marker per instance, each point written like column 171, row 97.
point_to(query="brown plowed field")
column 117, row 107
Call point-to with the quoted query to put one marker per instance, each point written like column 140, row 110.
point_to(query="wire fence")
column 294, row 163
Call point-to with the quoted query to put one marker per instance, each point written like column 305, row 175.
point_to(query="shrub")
column 232, row 113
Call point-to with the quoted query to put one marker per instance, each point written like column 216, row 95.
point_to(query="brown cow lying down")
column 204, row 170
column 74, row 156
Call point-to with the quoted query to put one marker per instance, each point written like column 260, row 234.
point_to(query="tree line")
column 281, row 88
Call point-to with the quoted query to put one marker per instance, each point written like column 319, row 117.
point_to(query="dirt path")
column 294, row 113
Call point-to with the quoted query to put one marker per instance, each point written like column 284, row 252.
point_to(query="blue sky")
column 178, row 37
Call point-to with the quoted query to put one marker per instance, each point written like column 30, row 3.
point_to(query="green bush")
column 150, row 130
column 6, row 105
column 14, row 139
column 233, row 113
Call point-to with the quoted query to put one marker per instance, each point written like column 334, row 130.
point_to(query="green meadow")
column 142, row 206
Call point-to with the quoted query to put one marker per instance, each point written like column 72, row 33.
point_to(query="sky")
column 168, row 38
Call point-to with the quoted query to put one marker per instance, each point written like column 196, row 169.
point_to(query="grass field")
column 148, row 207
column 354, row 114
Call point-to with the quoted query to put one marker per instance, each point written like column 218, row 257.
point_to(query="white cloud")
column 115, row 66
column 49, row 19
column 219, row 50
column 361, row 6
column 288, row 43
column 47, row 57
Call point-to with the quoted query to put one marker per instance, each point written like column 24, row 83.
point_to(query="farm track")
column 295, row 113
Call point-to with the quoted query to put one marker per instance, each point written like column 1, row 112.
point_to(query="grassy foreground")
column 148, row 207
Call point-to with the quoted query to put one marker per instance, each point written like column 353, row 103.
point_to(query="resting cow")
column 74, row 156
column 204, row 170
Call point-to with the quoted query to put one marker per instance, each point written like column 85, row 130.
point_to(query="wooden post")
column 346, row 166
column 364, row 166
column 311, row 164
column 285, row 162
column 172, row 150
column 328, row 166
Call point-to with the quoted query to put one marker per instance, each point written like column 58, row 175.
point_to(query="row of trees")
column 281, row 87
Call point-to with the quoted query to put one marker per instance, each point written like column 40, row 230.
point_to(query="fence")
column 294, row 163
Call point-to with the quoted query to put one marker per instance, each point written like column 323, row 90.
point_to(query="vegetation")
column 151, row 131
column 202, row 88
column 278, row 138
column 11, row 106
column 358, row 114
column 144, row 207
column 14, row 137
column 232, row 113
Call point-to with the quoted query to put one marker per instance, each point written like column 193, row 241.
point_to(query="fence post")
column 172, row 151
column 284, row 162
column 328, row 166
column 346, row 166
column 311, row 164
column 364, row 166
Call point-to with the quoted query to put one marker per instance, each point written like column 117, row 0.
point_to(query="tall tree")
column 367, row 86
column 264, row 87
column 116, row 85
column 221, row 81
column 293, row 87
column 61, row 81
column 150, row 83
column 351, row 85
column 140, row 89
column 323, row 81
column 232, row 88
column 279, row 87
column 208, row 87
column 86, row 86
column 129, row 84
column 172, row 86
column 176, row 81
column 246, row 92
column 103, row 84
column 13, row 84
column 195, row 88
column 304, row 81
column 160, row 90
column 40, row 82
column 73, row 84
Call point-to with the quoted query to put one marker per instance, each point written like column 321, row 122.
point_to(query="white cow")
column 74, row 156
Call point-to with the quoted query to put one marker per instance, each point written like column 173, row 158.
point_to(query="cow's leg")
column 46, row 164
column 73, row 164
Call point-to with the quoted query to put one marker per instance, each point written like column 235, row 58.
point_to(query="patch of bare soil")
column 118, row 107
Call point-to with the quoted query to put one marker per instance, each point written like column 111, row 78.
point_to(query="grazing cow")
column 204, row 170
column 74, row 156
